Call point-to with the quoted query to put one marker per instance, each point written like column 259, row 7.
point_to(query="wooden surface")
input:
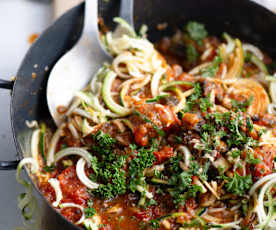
column 61, row 6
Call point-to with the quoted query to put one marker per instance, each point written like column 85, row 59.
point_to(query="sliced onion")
column 53, row 145
column 73, row 205
column 56, row 186
column 73, row 106
column 143, row 82
column 150, row 171
column 73, row 130
column 130, row 61
column 121, row 127
column 74, row 151
column 198, row 68
column 187, row 154
column 271, row 109
column 224, row 71
column 87, row 129
column 206, row 54
column 238, row 60
column 155, row 81
column 211, row 189
column 80, row 169
column 230, row 43
column 254, row 50
column 84, row 96
column 182, row 102
column 86, row 114
column 92, row 223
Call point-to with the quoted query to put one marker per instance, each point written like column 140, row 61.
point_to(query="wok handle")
column 4, row 84
column 7, row 165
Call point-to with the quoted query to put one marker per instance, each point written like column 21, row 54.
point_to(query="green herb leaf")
column 205, row 103
column 238, row 184
column 159, row 131
column 192, row 54
column 196, row 31
column 157, row 98
column 89, row 212
column 212, row 69
column 242, row 106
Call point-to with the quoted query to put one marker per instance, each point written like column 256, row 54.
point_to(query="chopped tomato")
column 268, row 120
column 164, row 154
column 71, row 214
column 48, row 191
column 140, row 135
column 165, row 115
column 265, row 167
column 72, row 189
column 142, row 215
column 190, row 120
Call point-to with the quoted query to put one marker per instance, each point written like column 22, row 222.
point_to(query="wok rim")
column 19, row 151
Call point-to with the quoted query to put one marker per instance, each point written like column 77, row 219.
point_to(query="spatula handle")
column 61, row 6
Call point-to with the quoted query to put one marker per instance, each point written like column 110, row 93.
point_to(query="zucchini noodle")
column 27, row 203
column 106, row 93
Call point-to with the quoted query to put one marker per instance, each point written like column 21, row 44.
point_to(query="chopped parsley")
column 204, row 103
column 50, row 168
column 191, row 53
column 250, row 159
column 212, row 69
column 157, row 98
column 238, row 184
column 196, row 31
column 193, row 99
column 242, row 106
column 89, row 211
column 181, row 187
column 144, row 159
column 154, row 224
column 235, row 153
column 107, row 167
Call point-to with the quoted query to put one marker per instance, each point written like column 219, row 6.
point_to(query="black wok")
column 241, row 18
